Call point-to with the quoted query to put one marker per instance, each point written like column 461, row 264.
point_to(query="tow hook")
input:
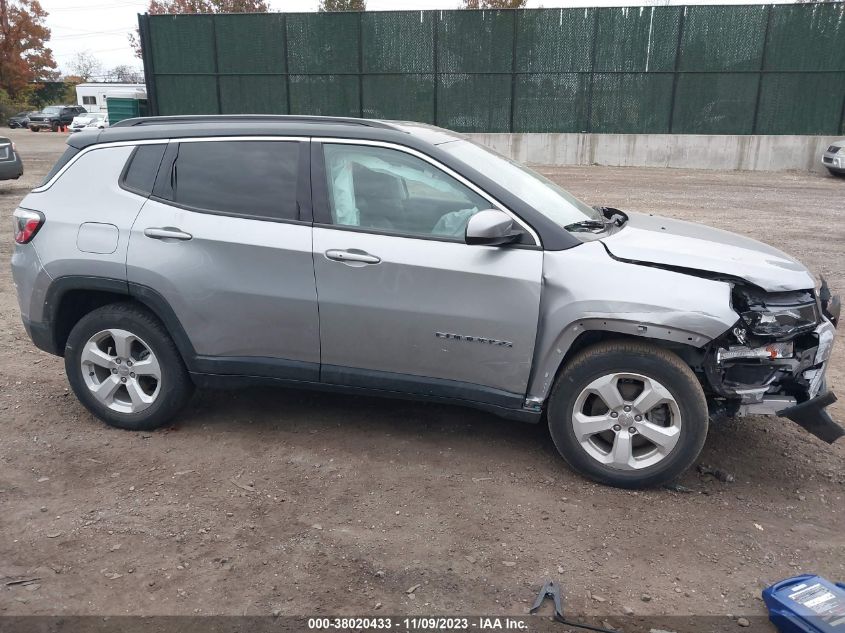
column 811, row 415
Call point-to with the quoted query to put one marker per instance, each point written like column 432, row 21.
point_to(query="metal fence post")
column 287, row 61
column 216, row 65
column 762, row 68
column 675, row 72
column 361, row 64
column 435, row 35
column 515, row 13
column 592, row 73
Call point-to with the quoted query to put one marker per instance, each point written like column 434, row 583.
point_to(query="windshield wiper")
column 587, row 226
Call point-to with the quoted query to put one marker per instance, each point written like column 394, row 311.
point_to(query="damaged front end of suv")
column 773, row 360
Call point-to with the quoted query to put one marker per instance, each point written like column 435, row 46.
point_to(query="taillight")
column 27, row 224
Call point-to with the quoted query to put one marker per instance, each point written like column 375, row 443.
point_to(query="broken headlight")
column 775, row 314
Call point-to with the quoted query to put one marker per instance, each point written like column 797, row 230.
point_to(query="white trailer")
column 92, row 96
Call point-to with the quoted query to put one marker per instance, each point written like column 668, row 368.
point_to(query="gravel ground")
column 274, row 500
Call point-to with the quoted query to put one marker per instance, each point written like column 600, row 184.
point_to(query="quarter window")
column 141, row 173
column 249, row 178
column 89, row 100
column 389, row 190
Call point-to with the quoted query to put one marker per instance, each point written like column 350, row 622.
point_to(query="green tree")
column 24, row 56
column 494, row 4
column 160, row 7
column 343, row 5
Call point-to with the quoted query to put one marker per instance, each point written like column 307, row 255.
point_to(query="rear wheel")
column 33, row 128
column 628, row 414
column 125, row 368
column 54, row 127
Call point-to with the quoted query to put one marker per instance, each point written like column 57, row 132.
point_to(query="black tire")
column 836, row 174
column 33, row 128
column 623, row 356
column 176, row 387
column 54, row 127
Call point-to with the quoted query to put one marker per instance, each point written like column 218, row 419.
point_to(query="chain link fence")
column 751, row 69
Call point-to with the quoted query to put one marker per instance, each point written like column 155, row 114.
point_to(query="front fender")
column 584, row 289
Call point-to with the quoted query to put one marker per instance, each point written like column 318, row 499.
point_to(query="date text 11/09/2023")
column 419, row 624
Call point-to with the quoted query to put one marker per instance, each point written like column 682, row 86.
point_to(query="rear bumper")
column 42, row 336
column 11, row 168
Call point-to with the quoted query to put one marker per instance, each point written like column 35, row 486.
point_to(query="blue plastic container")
column 806, row 604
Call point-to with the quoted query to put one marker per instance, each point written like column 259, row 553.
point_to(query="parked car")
column 403, row 260
column 834, row 158
column 54, row 117
column 11, row 166
column 90, row 121
column 21, row 120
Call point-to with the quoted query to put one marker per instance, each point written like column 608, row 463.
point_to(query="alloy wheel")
column 121, row 371
column 626, row 421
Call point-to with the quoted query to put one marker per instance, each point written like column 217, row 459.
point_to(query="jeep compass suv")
column 404, row 260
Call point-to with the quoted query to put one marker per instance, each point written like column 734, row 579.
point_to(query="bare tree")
column 494, row 4
column 343, row 5
column 85, row 66
column 124, row 73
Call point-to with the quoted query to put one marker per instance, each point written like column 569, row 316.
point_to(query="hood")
column 657, row 240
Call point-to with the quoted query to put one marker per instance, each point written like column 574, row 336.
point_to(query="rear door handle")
column 352, row 256
column 166, row 233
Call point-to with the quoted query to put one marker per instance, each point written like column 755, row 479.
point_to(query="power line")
column 71, row 28
column 78, row 36
column 113, row 5
column 98, row 50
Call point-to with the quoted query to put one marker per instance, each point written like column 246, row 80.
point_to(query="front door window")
column 387, row 190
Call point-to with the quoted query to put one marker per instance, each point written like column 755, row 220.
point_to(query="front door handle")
column 352, row 256
column 166, row 233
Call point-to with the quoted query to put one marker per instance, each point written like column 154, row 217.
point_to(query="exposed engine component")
column 773, row 360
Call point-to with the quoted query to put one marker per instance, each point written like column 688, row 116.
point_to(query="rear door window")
column 248, row 178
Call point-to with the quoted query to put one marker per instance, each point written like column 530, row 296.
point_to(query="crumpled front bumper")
column 811, row 415
column 800, row 395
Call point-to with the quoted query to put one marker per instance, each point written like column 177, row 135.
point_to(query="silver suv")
column 404, row 260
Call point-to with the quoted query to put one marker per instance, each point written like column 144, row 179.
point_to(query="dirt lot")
column 264, row 500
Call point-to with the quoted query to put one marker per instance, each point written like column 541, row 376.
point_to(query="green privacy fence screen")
column 752, row 69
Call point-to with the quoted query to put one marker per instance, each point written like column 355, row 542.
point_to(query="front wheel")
column 125, row 368
column 628, row 414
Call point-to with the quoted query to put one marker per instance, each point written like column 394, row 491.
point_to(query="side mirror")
column 491, row 228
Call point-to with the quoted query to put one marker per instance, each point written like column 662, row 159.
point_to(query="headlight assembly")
column 776, row 314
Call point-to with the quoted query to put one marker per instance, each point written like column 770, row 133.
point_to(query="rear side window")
column 140, row 174
column 249, row 178
column 64, row 159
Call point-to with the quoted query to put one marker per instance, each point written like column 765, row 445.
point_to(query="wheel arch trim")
column 144, row 295
column 546, row 370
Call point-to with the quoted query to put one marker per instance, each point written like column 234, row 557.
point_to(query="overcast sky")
column 101, row 26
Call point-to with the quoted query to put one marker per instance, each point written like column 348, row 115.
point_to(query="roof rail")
column 241, row 118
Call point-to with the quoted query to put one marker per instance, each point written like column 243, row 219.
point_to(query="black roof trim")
column 250, row 118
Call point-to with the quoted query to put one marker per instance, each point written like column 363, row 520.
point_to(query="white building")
column 92, row 96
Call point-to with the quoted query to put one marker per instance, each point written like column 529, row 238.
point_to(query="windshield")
column 52, row 110
column 555, row 203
